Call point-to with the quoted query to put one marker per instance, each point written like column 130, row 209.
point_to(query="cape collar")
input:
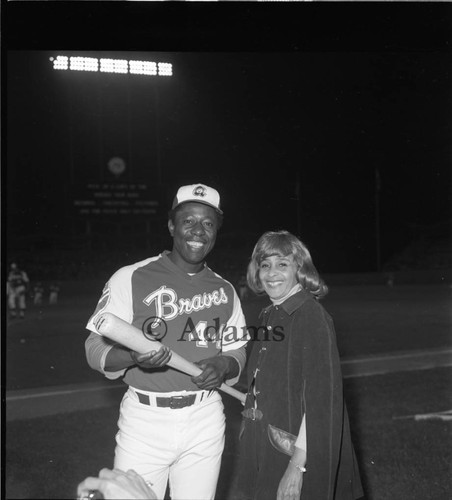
column 291, row 304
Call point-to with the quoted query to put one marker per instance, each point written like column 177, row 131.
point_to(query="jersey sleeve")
column 235, row 337
column 116, row 298
column 235, row 333
column 240, row 356
column 96, row 348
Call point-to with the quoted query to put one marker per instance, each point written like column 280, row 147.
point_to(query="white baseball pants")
column 16, row 296
column 181, row 445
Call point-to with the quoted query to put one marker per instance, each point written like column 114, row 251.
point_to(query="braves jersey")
column 197, row 316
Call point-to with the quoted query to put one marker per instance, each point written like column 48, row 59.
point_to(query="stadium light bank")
column 108, row 65
column 119, row 66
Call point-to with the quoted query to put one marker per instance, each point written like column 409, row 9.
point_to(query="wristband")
column 301, row 468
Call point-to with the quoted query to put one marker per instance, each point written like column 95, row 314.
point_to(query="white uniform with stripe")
column 16, row 290
column 202, row 317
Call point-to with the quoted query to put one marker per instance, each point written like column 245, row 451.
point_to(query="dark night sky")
column 249, row 123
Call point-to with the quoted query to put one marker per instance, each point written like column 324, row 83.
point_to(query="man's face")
column 194, row 232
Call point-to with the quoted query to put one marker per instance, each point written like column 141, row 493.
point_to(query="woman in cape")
column 295, row 438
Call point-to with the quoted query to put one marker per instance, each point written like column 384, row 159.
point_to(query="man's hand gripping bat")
column 132, row 337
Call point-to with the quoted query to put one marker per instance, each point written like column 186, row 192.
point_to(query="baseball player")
column 53, row 294
column 38, row 294
column 16, row 289
column 243, row 287
column 171, row 425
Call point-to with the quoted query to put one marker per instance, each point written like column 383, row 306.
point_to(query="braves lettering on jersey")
column 197, row 316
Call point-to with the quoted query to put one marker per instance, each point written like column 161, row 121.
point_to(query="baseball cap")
column 198, row 193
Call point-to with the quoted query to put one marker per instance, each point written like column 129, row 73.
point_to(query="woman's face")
column 278, row 275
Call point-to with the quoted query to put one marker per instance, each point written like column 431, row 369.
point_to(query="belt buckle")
column 177, row 402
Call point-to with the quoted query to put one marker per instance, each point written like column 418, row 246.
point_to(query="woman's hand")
column 290, row 485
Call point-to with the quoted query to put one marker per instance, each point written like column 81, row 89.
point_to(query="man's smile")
column 196, row 245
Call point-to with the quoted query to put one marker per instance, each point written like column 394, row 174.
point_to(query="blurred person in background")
column 38, row 294
column 53, row 293
column 17, row 288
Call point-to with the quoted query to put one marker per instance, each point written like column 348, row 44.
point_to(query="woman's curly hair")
column 282, row 244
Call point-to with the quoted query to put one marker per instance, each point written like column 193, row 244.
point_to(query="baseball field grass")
column 47, row 347
column 402, row 439
column 400, row 457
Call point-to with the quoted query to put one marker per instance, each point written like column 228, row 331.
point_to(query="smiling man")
column 171, row 425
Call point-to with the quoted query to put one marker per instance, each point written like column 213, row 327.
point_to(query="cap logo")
column 200, row 191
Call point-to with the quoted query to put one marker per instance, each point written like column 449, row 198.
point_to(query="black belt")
column 173, row 402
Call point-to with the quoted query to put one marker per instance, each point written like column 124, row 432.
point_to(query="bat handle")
column 233, row 392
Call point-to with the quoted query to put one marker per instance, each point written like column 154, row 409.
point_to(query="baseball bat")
column 132, row 337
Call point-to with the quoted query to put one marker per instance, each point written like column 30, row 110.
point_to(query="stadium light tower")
column 119, row 66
